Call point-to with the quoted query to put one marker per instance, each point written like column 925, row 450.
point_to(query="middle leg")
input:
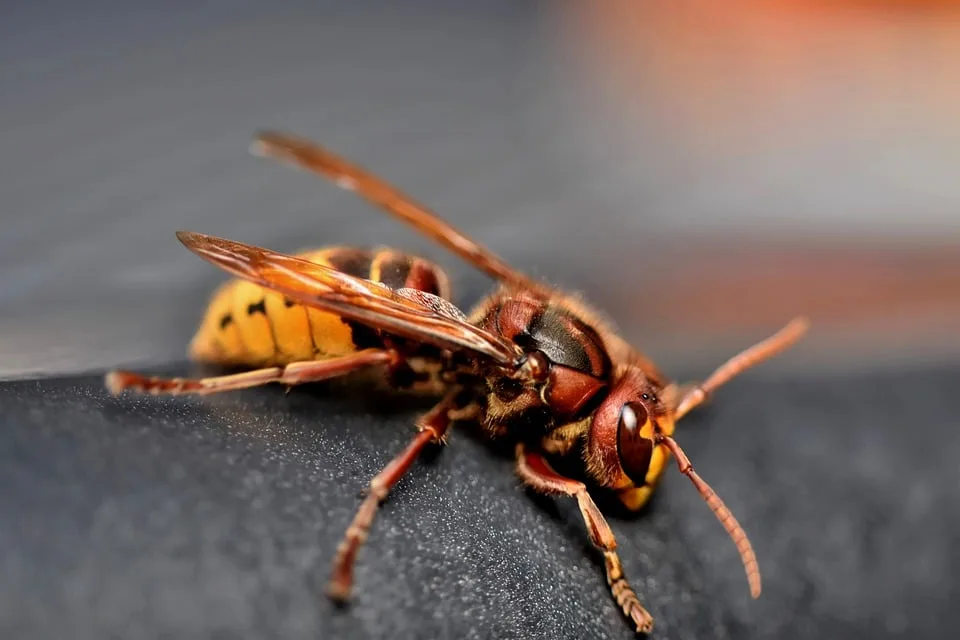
column 291, row 374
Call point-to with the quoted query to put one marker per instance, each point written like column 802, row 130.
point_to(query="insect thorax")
column 577, row 373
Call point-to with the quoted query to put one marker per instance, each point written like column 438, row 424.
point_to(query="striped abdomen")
column 247, row 325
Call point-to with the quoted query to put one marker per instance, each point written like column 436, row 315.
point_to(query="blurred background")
column 702, row 171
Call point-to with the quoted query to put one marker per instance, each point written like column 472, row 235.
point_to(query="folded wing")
column 371, row 303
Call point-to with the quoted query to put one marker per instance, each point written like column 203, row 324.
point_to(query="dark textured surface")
column 218, row 517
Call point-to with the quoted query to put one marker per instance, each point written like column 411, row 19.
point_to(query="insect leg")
column 537, row 473
column 739, row 363
column 432, row 428
column 291, row 374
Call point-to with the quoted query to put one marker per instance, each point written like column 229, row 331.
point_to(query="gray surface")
column 146, row 518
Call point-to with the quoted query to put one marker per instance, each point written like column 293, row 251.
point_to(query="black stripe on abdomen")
column 351, row 261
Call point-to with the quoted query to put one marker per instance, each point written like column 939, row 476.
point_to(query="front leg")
column 537, row 473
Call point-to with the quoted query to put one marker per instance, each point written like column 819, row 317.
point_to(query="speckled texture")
column 218, row 517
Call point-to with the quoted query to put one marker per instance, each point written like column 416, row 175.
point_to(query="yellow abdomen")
column 246, row 325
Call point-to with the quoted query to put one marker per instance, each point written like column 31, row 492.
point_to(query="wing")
column 430, row 321
column 311, row 156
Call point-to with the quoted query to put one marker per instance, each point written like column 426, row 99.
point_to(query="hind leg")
column 291, row 374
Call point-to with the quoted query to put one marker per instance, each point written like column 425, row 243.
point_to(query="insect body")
column 531, row 364
column 249, row 325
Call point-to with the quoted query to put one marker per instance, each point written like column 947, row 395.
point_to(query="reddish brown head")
column 622, row 446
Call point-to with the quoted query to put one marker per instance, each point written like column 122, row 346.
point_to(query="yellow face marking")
column 632, row 496
column 658, row 462
column 661, row 455
column 635, row 497
column 667, row 425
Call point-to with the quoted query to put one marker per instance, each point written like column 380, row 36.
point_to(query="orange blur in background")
column 836, row 127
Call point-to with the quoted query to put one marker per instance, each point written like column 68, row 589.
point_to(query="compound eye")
column 634, row 449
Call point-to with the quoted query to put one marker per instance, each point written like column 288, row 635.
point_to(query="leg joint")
column 435, row 436
column 379, row 489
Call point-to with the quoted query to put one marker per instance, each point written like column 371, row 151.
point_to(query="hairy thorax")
column 568, row 352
